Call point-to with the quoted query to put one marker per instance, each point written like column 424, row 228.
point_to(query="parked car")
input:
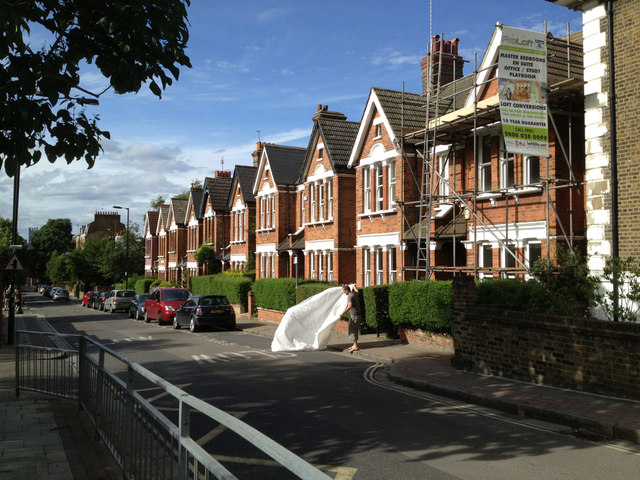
column 85, row 298
column 136, row 309
column 118, row 300
column 98, row 303
column 162, row 302
column 199, row 311
column 92, row 299
column 46, row 291
column 60, row 294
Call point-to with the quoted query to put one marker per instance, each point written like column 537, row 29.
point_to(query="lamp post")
column 126, row 272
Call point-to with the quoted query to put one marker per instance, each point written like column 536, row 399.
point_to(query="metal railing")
column 144, row 442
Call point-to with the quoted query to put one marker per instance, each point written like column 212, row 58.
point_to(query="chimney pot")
column 319, row 107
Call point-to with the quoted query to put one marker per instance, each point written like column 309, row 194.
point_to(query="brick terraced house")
column 242, row 208
column 151, row 243
column 216, row 225
column 193, row 223
column 275, row 195
column 177, row 240
column 163, row 243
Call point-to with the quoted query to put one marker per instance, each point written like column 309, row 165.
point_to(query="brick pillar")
column 251, row 304
column 464, row 296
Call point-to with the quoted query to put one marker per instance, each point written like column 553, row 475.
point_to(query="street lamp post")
column 126, row 272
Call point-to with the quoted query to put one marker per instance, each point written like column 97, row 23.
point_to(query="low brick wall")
column 270, row 315
column 428, row 340
column 582, row 354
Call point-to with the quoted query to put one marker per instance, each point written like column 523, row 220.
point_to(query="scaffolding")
column 448, row 126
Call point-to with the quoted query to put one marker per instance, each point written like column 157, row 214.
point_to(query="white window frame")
column 262, row 260
column 379, row 266
column 507, row 167
column 262, row 212
column 273, row 211
column 322, row 212
column 273, row 265
column 312, row 265
column 484, row 165
column 304, row 211
column 330, row 266
column 366, row 263
column 443, row 178
column 313, row 203
column 379, row 179
column 377, row 131
column 321, row 257
column 367, row 189
column 392, row 182
column 506, row 259
column 528, row 164
column 330, row 199
column 393, row 265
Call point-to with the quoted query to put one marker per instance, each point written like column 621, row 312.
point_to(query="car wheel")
column 146, row 317
column 193, row 325
column 159, row 318
column 176, row 325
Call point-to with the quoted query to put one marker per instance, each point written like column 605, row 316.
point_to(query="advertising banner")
column 522, row 90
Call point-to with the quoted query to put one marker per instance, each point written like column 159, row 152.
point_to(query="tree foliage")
column 54, row 236
column 130, row 43
column 157, row 203
column 619, row 296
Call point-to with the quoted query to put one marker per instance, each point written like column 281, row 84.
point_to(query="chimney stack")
column 324, row 112
column 257, row 154
column 449, row 68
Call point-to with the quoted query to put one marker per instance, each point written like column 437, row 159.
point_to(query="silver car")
column 119, row 300
column 60, row 294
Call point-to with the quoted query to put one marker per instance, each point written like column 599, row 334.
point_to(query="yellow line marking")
column 218, row 430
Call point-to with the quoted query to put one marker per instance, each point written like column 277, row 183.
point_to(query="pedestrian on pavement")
column 353, row 307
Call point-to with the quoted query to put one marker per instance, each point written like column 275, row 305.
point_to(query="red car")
column 85, row 297
column 162, row 302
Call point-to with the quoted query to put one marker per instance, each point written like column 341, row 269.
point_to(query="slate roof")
column 246, row 176
column 217, row 190
column 163, row 216
column 285, row 162
column 338, row 137
column 405, row 111
column 195, row 199
column 179, row 207
column 152, row 221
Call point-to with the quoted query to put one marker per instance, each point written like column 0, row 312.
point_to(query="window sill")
column 377, row 213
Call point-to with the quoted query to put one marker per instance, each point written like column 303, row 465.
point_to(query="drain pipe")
column 615, row 250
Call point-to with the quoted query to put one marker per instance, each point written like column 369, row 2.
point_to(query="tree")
column 206, row 255
column 54, row 236
column 59, row 268
column 130, row 43
column 157, row 203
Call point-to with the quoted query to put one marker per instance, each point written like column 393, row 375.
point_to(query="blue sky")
column 257, row 65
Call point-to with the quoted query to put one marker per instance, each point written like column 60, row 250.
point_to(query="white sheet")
column 308, row 325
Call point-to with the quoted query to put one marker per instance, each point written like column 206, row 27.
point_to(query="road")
column 341, row 413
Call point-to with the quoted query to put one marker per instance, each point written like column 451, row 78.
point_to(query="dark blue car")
column 200, row 311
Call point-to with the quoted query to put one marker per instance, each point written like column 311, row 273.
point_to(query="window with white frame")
column 443, row 178
column 262, row 266
column 273, row 211
column 329, row 266
column 367, row 266
column 312, row 191
column 531, row 170
column 262, row 211
column 321, row 266
column 320, row 154
column 367, row 189
column 507, row 175
column 312, row 262
column 303, row 217
column 330, row 199
column 393, row 265
column 507, row 253
column 392, row 182
column 273, row 265
column 378, row 131
column 321, row 201
column 533, row 253
column 484, row 165
column 379, row 266
column 379, row 187
column 486, row 255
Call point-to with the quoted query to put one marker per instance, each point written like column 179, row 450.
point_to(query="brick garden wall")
column 581, row 354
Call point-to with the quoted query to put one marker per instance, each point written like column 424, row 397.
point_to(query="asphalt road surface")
column 338, row 412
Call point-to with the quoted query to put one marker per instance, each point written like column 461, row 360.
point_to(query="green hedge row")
column 511, row 294
column 235, row 288
column 275, row 293
column 425, row 305
column 143, row 285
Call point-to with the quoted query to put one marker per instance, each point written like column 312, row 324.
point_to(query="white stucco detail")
column 266, row 248
column 238, row 257
column 313, row 245
column 378, row 239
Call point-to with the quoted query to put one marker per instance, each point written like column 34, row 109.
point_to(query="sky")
column 259, row 70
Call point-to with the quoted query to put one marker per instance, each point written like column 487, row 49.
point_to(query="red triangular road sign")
column 14, row 264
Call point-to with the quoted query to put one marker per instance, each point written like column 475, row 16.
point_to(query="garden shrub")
column 275, row 293
column 235, row 288
column 418, row 304
column 143, row 285
column 376, row 308
column 311, row 288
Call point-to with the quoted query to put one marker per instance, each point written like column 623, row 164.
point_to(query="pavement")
column 50, row 438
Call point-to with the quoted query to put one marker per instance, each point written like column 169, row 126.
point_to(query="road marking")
column 369, row 377
column 160, row 395
column 241, row 355
column 131, row 339
column 343, row 473
column 202, row 441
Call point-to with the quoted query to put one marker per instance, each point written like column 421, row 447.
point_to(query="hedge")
column 275, row 293
column 143, row 285
column 426, row 305
column 235, row 288
column 376, row 308
column 311, row 288
column 511, row 294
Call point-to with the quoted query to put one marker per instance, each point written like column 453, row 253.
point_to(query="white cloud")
column 390, row 58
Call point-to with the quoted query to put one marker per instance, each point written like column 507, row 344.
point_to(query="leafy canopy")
column 131, row 43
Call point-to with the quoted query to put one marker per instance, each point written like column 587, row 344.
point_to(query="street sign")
column 14, row 264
